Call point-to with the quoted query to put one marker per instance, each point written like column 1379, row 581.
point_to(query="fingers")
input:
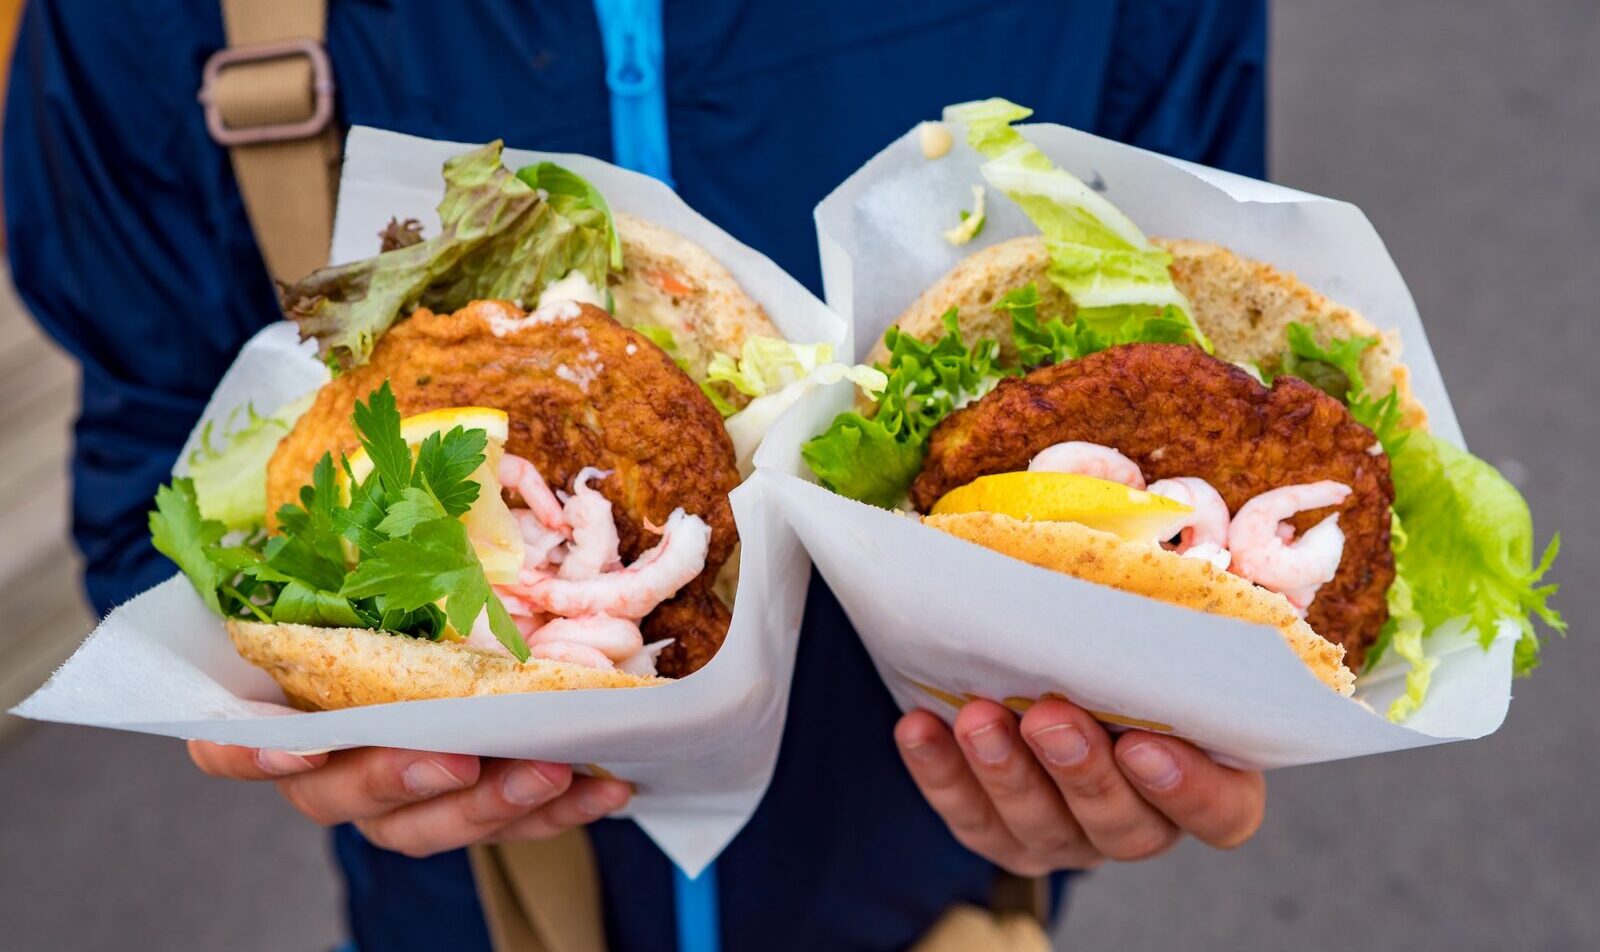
column 1026, row 800
column 1219, row 806
column 940, row 771
column 1077, row 754
column 587, row 800
column 369, row 781
column 248, row 763
column 506, row 790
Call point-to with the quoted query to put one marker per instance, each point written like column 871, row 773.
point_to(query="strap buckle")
column 321, row 88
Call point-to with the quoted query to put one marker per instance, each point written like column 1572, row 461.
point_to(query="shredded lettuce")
column 972, row 222
column 1098, row 256
column 498, row 239
column 230, row 480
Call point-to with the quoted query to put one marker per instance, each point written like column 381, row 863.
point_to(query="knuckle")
column 1094, row 784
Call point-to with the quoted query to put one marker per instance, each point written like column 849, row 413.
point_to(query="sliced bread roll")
column 330, row 668
column 669, row 281
column 1094, row 556
column 1243, row 306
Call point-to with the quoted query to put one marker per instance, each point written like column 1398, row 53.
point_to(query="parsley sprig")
column 391, row 553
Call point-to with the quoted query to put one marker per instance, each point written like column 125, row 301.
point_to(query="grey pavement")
column 1469, row 133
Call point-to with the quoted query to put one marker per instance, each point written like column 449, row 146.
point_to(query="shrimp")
column 1088, row 459
column 594, row 531
column 1204, row 532
column 635, row 591
column 523, row 478
column 616, row 638
column 540, row 543
column 571, row 653
column 643, row 661
column 1264, row 555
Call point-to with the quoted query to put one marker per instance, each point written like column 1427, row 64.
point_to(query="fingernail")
column 992, row 744
column 920, row 750
column 524, row 785
column 281, row 762
column 428, row 777
column 1152, row 766
column 1062, row 745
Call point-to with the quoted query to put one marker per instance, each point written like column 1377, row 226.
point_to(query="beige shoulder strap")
column 541, row 895
column 269, row 99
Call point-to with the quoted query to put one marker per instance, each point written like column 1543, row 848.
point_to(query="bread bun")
column 1243, row 306
column 1094, row 556
column 330, row 668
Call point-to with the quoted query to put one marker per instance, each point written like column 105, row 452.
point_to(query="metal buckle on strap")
column 321, row 87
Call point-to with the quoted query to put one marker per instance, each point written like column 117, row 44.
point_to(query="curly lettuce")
column 500, row 237
column 874, row 459
column 1098, row 257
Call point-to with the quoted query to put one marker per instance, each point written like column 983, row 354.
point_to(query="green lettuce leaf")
column 578, row 201
column 497, row 239
column 1098, row 256
column 230, row 480
column 1468, row 550
column 875, row 460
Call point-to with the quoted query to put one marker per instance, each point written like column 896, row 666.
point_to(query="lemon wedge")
column 491, row 528
column 1128, row 513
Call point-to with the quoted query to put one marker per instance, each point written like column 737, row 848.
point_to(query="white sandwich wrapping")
column 945, row 620
column 700, row 750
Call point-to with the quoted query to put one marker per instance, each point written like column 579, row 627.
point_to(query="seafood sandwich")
column 1177, row 421
column 517, row 478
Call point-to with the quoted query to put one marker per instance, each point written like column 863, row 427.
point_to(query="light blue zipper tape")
column 631, row 33
column 696, row 903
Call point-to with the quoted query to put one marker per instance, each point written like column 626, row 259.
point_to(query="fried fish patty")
column 580, row 390
column 1176, row 411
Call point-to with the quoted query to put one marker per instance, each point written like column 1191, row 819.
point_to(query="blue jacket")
column 129, row 243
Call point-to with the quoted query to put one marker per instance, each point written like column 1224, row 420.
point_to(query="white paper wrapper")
column 945, row 619
column 700, row 750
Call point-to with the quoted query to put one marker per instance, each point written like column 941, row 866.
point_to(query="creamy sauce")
column 501, row 321
column 573, row 287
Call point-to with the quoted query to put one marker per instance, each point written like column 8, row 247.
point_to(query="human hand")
column 1060, row 793
column 419, row 803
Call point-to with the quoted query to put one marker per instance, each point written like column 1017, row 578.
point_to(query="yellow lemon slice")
column 491, row 528
column 1128, row 513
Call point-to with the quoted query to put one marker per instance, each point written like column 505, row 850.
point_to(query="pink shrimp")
column 616, row 638
column 635, row 591
column 572, row 653
column 594, row 531
column 1203, row 533
column 522, row 477
column 643, row 661
column 1296, row 569
column 1088, row 459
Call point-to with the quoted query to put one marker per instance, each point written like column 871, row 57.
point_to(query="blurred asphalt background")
column 1470, row 134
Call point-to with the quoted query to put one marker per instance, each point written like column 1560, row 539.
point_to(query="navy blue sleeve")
column 129, row 244
column 1187, row 78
